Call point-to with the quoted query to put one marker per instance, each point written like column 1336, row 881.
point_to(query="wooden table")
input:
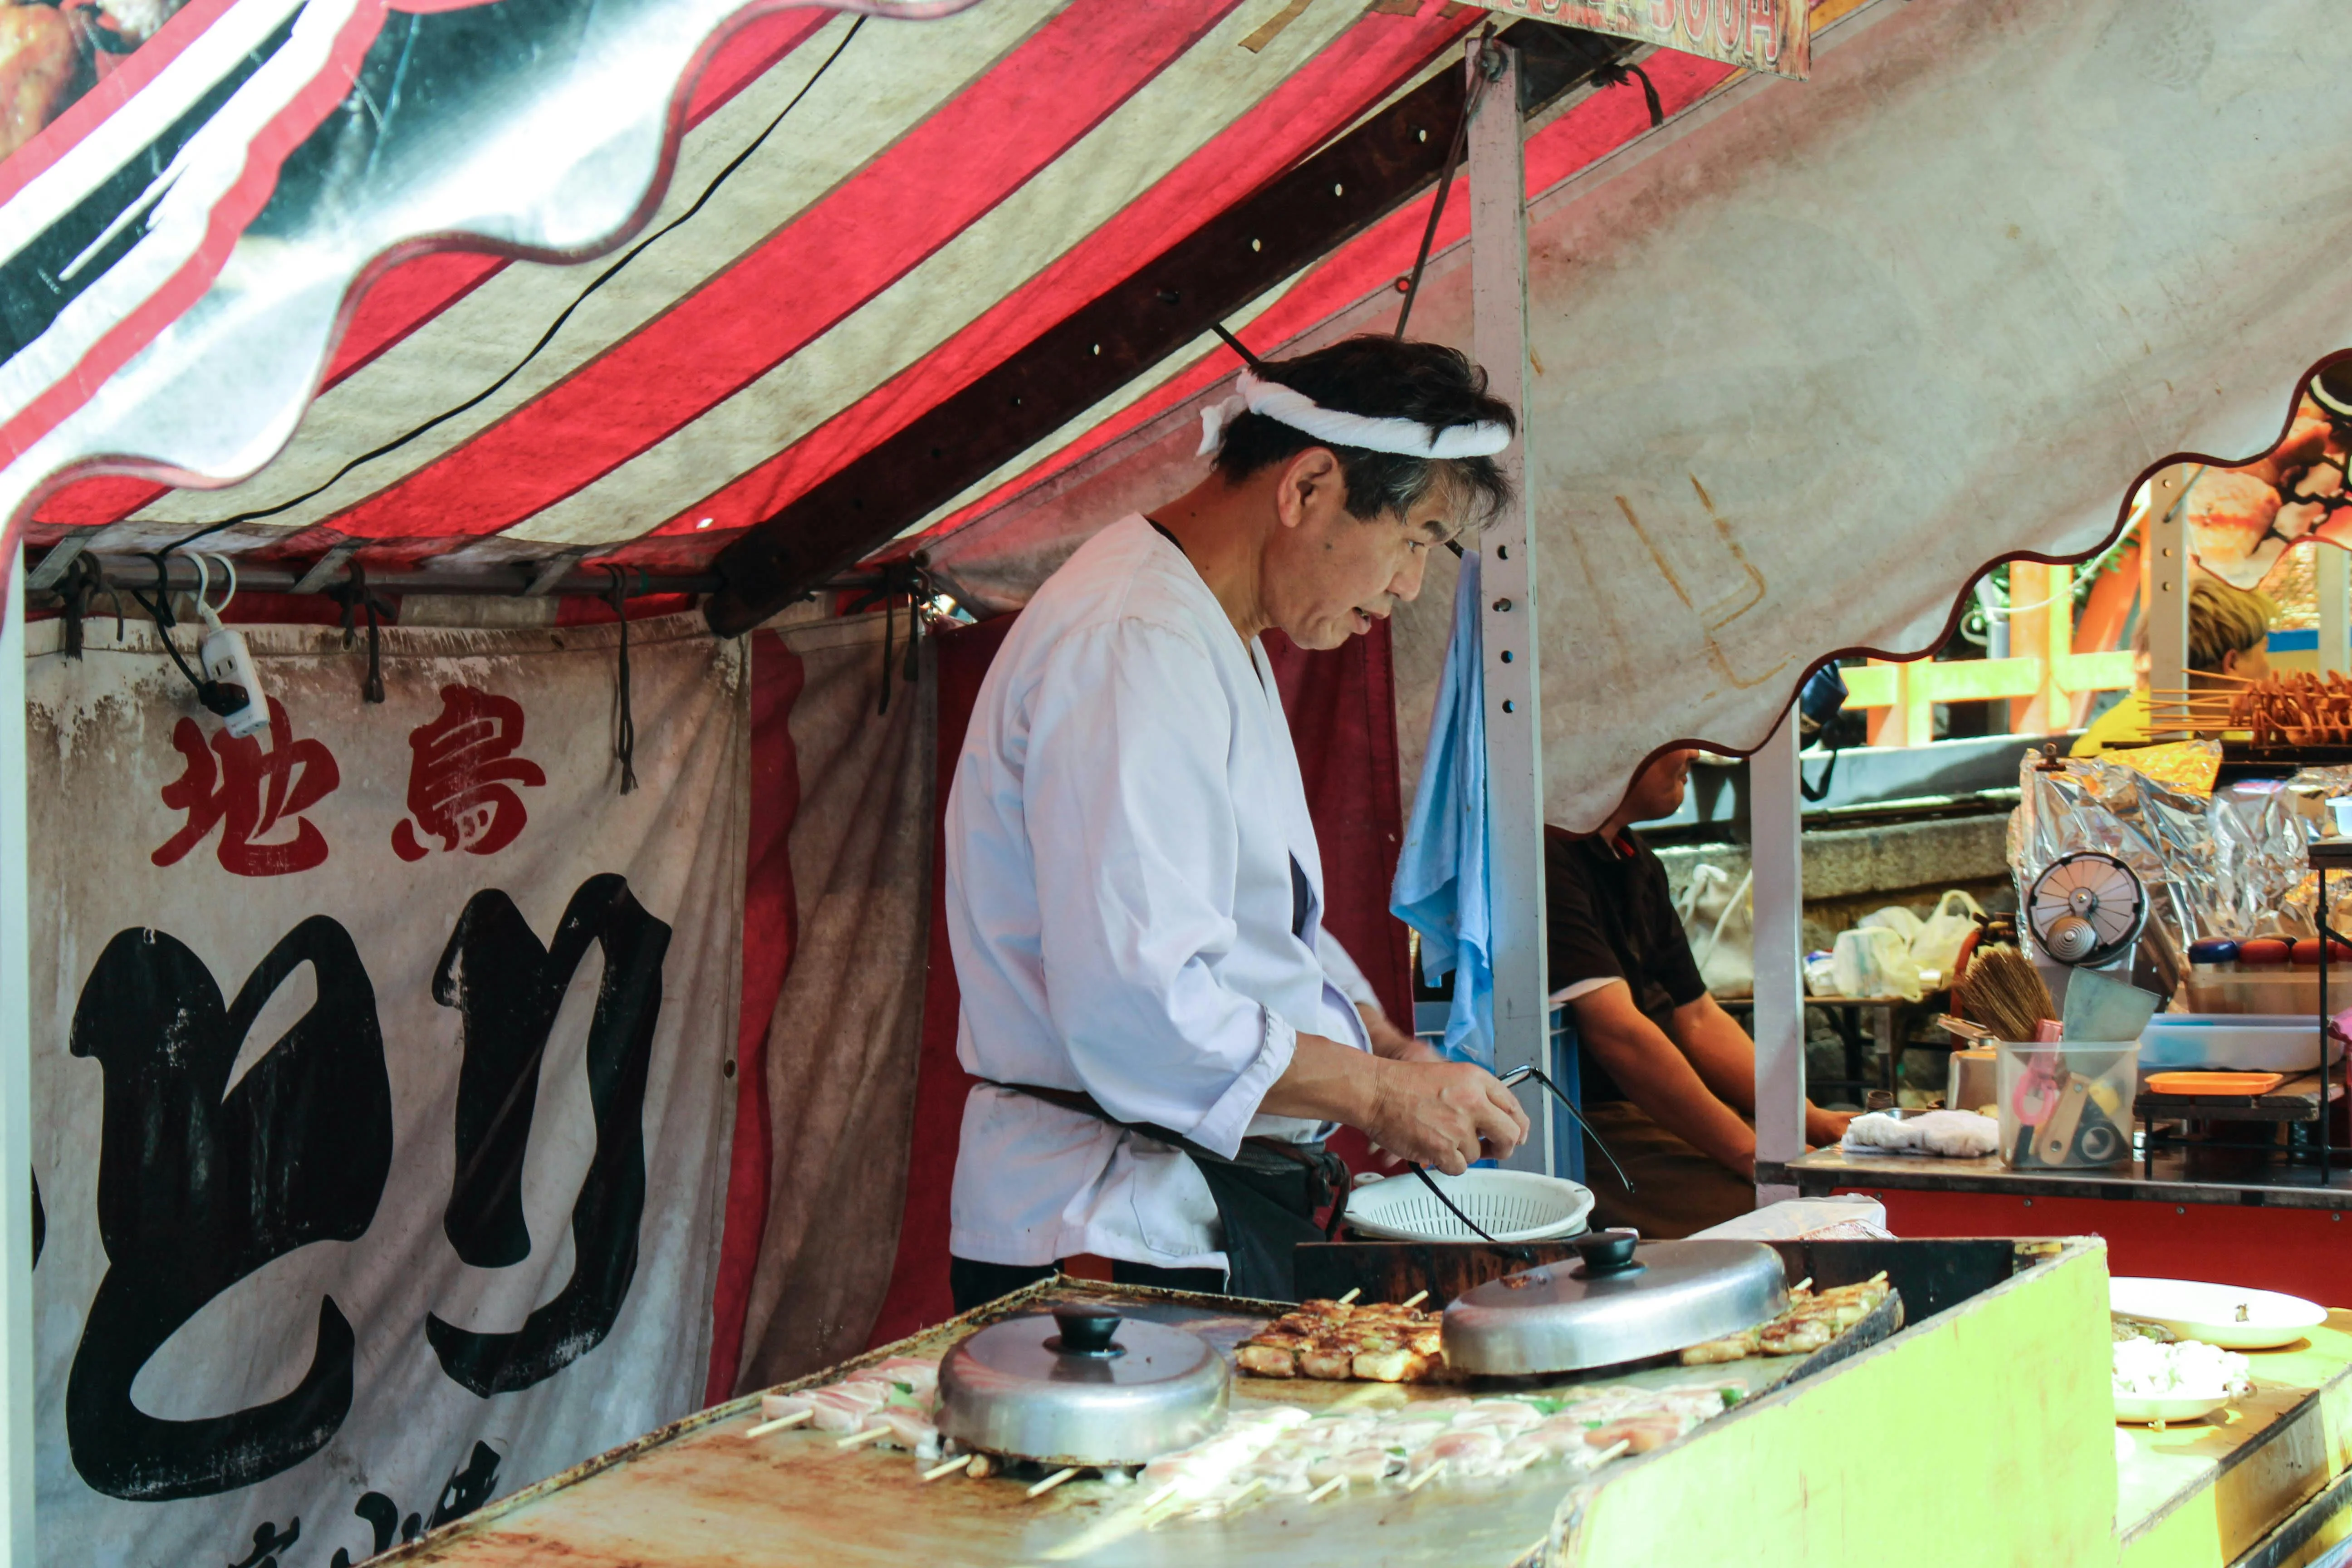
column 1888, row 1018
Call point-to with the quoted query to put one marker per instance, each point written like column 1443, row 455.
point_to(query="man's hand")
column 1823, row 1128
column 1391, row 1042
column 1444, row 1114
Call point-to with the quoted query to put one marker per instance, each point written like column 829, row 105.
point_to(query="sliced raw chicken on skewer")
column 1359, row 1467
column 1465, row 1453
column 776, row 1406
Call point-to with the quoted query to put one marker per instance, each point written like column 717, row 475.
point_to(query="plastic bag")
column 1875, row 960
column 1936, row 947
column 1719, row 919
column 1896, row 918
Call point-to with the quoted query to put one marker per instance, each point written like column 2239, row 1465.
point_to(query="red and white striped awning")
column 943, row 192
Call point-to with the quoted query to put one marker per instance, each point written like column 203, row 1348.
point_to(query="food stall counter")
column 2001, row 1395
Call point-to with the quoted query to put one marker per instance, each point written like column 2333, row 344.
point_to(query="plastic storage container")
column 2237, row 1042
column 2066, row 1105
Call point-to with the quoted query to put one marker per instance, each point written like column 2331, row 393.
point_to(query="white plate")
column 2196, row 1310
column 2143, row 1408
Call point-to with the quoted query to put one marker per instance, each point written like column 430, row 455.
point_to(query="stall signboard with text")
column 1774, row 35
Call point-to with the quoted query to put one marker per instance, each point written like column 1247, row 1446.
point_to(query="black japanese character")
column 200, row 1184
column 383, row 1517
column 470, row 1488
column 268, row 1543
column 507, row 988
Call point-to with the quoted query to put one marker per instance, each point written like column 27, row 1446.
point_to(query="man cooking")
column 1669, row 1080
column 1134, row 895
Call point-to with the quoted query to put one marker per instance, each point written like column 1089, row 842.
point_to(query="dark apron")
column 1266, row 1195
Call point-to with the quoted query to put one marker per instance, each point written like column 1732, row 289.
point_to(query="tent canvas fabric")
column 945, row 191
column 1763, row 336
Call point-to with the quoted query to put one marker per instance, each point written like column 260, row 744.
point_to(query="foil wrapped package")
column 2225, row 862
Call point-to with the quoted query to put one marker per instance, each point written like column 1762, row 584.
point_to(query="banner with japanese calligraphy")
column 382, row 1076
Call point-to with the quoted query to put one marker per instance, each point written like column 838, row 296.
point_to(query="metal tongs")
column 1509, row 1079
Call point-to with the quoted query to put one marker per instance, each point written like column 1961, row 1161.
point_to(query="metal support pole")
column 1514, row 821
column 16, row 1096
column 1775, row 814
column 2333, row 567
column 2164, row 590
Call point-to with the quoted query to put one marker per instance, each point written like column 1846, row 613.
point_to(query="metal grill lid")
column 1623, row 1300
column 1082, row 1386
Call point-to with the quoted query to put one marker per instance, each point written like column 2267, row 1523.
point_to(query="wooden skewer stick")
column 1804, row 1284
column 780, row 1423
column 1225, row 1507
column 1415, row 1299
column 1609, row 1453
column 1426, row 1476
column 1326, row 1489
column 1348, row 1300
column 960, row 1462
column 1056, row 1479
column 859, row 1439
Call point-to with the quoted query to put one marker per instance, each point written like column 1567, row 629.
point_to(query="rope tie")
column 624, row 745
column 355, row 596
column 1616, row 73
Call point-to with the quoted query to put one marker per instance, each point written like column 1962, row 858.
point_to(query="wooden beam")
column 1170, row 300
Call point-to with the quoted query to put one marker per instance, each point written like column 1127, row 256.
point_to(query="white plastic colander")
column 1510, row 1206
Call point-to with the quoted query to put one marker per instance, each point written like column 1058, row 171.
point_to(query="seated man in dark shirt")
column 1669, row 1080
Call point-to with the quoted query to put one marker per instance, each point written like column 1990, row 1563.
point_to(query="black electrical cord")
column 556, row 326
column 1437, row 207
column 1516, row 1074
column 217, row 697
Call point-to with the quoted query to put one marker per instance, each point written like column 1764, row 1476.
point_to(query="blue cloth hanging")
column 1441, row 887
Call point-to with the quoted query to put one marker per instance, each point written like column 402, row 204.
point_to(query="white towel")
column 1959, row 1133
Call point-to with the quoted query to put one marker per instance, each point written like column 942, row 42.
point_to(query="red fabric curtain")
column 1342, row 711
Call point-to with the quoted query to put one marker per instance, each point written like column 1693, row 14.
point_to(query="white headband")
column 1405, row 438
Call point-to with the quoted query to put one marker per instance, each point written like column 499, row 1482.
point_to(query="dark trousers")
column 1677, row 1190
column 977, row 1284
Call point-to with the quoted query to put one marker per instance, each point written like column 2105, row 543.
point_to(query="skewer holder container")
column 2066, row 1105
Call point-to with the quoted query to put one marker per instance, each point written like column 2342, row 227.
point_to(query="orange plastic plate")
column 2209, row 1083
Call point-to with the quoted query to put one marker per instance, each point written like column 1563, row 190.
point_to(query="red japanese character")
column 457, row 779
column 247, row 794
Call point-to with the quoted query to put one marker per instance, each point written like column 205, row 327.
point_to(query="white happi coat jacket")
column 1123, row 912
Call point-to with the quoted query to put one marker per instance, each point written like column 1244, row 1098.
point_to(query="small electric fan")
column 2087, row 908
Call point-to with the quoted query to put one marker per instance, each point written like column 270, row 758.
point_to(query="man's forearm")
column 1671, row 1092
column 1326, row 1081
column 1726, row 1058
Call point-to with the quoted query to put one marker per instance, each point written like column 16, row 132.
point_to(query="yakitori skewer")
column 781, row 1422
column 1056, row 1479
